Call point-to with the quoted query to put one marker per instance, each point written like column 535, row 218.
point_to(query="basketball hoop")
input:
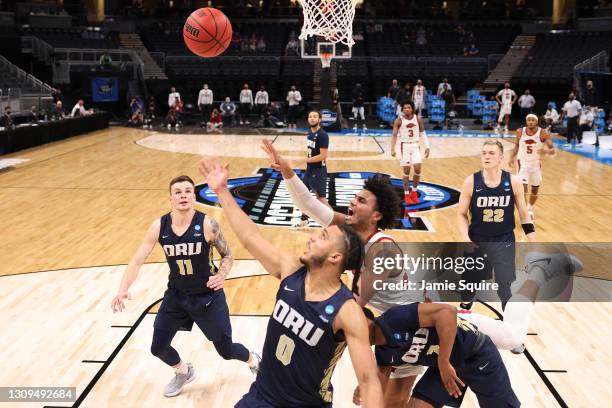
column 326, row 58
column 330, row 19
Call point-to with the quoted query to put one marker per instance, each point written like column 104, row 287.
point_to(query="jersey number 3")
column 489, row 215
column 284, row 349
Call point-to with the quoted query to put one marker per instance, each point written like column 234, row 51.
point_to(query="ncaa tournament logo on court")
column 266, row 200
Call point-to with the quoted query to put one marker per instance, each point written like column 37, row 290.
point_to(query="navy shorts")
column 484, row 373
column 208, row 310
column 499, row 253
column 316, row 180
column 253, row 399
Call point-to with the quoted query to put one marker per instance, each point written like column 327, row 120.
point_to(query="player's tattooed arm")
column 221, row 245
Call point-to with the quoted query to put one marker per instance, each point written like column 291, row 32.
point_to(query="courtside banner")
column 457, row 271
column 105, row 89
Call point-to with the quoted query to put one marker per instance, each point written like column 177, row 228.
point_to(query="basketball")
column 207, row 32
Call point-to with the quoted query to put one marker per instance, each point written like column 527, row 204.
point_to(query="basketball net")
column 330, row 19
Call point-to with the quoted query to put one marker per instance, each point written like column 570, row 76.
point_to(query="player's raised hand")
column 273, row 154
column 117, row 304
column 215, row 282
column 214, row 173
column 451, row 382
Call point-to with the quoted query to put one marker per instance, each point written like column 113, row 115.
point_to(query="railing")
column 238, row 58
column 81, row 56
column 160, row 58
column 21, row 76
column 597, row 63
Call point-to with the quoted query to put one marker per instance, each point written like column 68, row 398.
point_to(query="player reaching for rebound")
column 411, row 133
column 195, row 287
column 314, row 318
column 370, row 212
column 531, row 142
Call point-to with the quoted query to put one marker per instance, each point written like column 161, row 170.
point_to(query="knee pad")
column 417, row 174
column 406, row 173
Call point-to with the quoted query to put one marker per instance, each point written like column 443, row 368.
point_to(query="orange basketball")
column 207, row 32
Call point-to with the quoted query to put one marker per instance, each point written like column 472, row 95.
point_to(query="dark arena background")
column 103, row 102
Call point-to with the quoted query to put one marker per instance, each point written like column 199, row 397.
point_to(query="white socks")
column 181, row 368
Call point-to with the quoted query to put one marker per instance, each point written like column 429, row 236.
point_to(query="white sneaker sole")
column 177, row 392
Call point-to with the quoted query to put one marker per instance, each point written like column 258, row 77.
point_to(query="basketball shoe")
column 174, row 387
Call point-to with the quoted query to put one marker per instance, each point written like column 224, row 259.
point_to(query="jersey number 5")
column 489, row 215
column 529, row 149
column 185, row 267
column 284, row 349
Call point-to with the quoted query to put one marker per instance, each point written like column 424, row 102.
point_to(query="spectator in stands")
column 137, row 111
column 526, row 102
column 33, row 116
column 293, row 48
column 261, row 44
column 571, row 111
column 106, row 61
column 585, row 123
column 472, row 51
column 205, row 102
column 253, row 42
column 261, row 101
column 58, row 111
column 244, row 43
column 402, row 97
column 294, row 97
column 550, row 118
column 228, row 112
column 246, row 104
column 421, row 37
column 271, row 116
column 79, row 109
column 591, row 97
column 358, row 109
column 215, row 121
column 443, row 86
column 173, row 96
column 7, row 120
column 393, row 90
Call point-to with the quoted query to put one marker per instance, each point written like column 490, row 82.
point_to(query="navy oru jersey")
column 300, row 351
column 492, row 208
column 316, row 141
column 408, row 343
column 189, row 256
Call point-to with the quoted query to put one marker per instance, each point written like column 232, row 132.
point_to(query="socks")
column 181, row 368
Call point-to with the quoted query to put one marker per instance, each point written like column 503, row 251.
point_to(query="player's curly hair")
column 387, row 199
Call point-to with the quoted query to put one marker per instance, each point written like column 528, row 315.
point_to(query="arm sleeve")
column 307, row 203
column 423, row 135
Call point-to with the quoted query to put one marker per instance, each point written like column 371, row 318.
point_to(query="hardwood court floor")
column 80, row 207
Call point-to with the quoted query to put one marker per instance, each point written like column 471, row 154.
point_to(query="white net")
column 330, row 19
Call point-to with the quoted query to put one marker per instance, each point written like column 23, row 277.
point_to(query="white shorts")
column 419, row 105
column 503, row 111
column 410, row 153
column 530, row 172
column 406, row 370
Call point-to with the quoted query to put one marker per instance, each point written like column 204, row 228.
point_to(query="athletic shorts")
column 254, row 399
column 503, row 111
column 410, row 153
column 484, row 373
column 530, row 172
column 209, row 311
column 316, row 180
column 406, row 370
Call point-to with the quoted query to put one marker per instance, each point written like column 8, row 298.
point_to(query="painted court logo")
column 264, row 197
